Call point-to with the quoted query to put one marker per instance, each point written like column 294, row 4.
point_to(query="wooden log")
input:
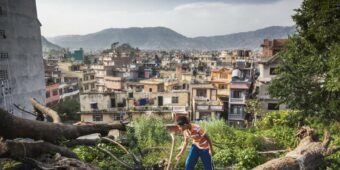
column 20, row 149
column 12, row 127
column 308, row 155
column 47, row 111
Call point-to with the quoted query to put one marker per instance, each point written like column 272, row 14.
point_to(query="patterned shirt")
column 197, row 135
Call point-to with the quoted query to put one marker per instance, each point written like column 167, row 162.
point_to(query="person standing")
column 201, row 144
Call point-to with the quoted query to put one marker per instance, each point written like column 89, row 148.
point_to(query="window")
column 236, row 109
column 55, row 92
column 257, row 90
column 273, row 106
column 97, row 118
column 113, row 102
column 174, row 99
column 3, row 55
column 86, row 87
column 272, row 71
column 48, row 94
column 92, row 86
column 201, row 93
column 60, row 91
column 221, row 86
column 94, row 106
column 237, row 94
column 224, row 76
column 117, row 117
column 2, row 34
column 92, row 77
column 3, row 75
column 130, row 95
column 150, row 89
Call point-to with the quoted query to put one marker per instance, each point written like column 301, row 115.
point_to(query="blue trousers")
column 196, row 152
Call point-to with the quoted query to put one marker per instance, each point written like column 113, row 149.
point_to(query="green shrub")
column 224, row 157
column 247, row 158
column 289, row 118
column 149, row 131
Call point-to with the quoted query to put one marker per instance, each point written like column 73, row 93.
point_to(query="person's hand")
column 178, row 157
column 211, row 152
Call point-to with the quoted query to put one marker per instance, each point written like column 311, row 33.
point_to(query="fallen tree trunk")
column 33, row 149
column 308, row 155
column 12, row 127
column 47, row 111
column 58, row 162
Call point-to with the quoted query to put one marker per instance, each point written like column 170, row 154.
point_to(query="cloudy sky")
column 188, row 17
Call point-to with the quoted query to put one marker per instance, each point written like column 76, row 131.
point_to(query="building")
column 52, row 94
column 267, row 69
column 270, row 48
column 114, row 83
column 111, row 107
column 204, row 102
column 242, row 80
column 89, row 81
column 108, row 107
column 78, row 55
column 21, row 61
column 159, row 103
column 220, row 78
column 153, row 85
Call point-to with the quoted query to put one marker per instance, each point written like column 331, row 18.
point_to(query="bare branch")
column 171, row 151
column 117, row 159
column 47, row 111
column 135, row 159
column 326, row 139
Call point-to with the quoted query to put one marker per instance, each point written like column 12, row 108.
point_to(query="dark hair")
column 182, row 120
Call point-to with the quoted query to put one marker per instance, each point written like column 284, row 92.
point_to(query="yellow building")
column 220, row 78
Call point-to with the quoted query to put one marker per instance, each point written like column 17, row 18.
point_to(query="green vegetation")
column 308, row 78
column 68, row 110
column 236, row 148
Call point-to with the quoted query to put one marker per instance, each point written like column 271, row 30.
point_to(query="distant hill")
column 165, row 38
column 46, row 45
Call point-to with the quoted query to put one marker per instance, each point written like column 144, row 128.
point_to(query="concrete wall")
column 103, row 100
column 114, row 83
column 23, row 45
column 107, row 118
column 183, row 98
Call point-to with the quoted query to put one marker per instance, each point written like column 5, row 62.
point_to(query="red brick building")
column 270, row 48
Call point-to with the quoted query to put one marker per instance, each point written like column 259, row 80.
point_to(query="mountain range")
column 47, row 46
column 164, row 38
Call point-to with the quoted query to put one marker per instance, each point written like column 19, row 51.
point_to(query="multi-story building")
column 270, row 48
column 204, row 102
column 220, row 78
column 88, row 82
column 159, row 103
column 52, row 94
column 153, row 85
column 242, row 79
column 108, row 107
column 21, row 61
column 267, row 73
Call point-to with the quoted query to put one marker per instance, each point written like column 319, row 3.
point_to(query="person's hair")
column 182, row 120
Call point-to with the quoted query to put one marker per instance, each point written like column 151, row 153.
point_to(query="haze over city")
column 189, row 17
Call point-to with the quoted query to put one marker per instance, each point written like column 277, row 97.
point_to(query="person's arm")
column 211, row 150
column 183, row 148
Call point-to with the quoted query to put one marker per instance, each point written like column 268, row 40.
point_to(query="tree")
column 308, row 78
column 254, row 110
column 68, row 110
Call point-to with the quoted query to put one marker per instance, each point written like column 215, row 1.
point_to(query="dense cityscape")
column 81, row 105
